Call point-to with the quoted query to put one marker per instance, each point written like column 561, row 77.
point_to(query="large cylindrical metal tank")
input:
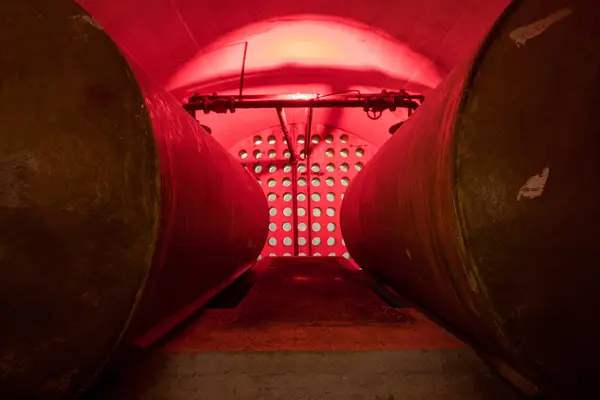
column 483, row 209
column 117, row 212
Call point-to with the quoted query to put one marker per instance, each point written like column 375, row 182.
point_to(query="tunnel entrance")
column 304, row 204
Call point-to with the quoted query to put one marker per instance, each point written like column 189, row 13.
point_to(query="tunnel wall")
column 482, row 209
column 116, row 209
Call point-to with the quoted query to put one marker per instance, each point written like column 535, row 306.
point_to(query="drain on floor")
column 234, row 294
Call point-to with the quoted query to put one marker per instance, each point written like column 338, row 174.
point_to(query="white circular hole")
column 316, row 227
column 315, row 168
column 272, row 227
column 316, row 182
column 271, row 182
column 315, row 197
column 329, row 153
column 344, row 167
column 286, row 154
column 330, row 241
column 345, row 181
column 287, row 168
column 287, row 255
column 243, row 154
column 301, row 211
column 272, row 197
column 330, row 211
column 287, row 241
column 331, row 227
column 330, row 197
column 301, row 197
column 302, row 227
column 330, row 167
column 287, row 211
column 287, row 197
column 328, row 138
column 330, row 181
column 347, row 255
column 331, row 254
column 301, row 168
column 272, row 211
column 358, row 166
column 271, row 154
column 272, row 168
column 344, row 138
column 317, row 212
column 317, row 254
column 301, row 182
column 360, row 152
column 271, row 139
column 257, row 140
column 272, row 255
column 272, row 241
column 302, row 241
column 287, row 226
column 287, row 182
column 315, row 139
column 257, row 154
column 344, row 153
column 316, row 241
column 302, row 254
column 257, row 168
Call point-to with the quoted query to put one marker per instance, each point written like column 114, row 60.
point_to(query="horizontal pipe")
column 375, row 102
column 119, row 214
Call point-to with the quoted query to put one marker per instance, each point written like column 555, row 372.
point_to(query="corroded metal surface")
column 78, row 197
column 482, row 209
column 81, row 202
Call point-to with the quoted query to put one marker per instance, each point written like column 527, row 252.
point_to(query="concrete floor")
column 307, row 330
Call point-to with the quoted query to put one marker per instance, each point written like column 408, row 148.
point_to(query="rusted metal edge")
column 155, row 233
column 522, row 383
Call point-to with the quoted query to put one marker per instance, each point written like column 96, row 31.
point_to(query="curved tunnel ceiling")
column 296, row 46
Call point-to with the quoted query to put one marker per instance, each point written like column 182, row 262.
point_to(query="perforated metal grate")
column 318, row 185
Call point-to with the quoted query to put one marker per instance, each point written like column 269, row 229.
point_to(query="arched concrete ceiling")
column 296, row 46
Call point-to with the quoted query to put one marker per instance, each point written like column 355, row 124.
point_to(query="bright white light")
column 300, row 96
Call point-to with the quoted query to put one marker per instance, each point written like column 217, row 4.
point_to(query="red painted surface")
column 306, row 46
column 213, row 218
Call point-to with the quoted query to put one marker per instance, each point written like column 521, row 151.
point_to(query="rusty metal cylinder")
column 119, row 215
column 483, row 209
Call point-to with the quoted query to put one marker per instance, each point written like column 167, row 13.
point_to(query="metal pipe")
column 485, row 213
column 119, row 214
column 222, row 104
column 243, row 72
column 285, row 129
column 307, row 135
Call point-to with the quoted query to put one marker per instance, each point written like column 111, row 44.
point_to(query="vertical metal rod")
column 286, row 134
column 295, row 206
column 307, row 134
column 243, row 69
column 294, row 163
